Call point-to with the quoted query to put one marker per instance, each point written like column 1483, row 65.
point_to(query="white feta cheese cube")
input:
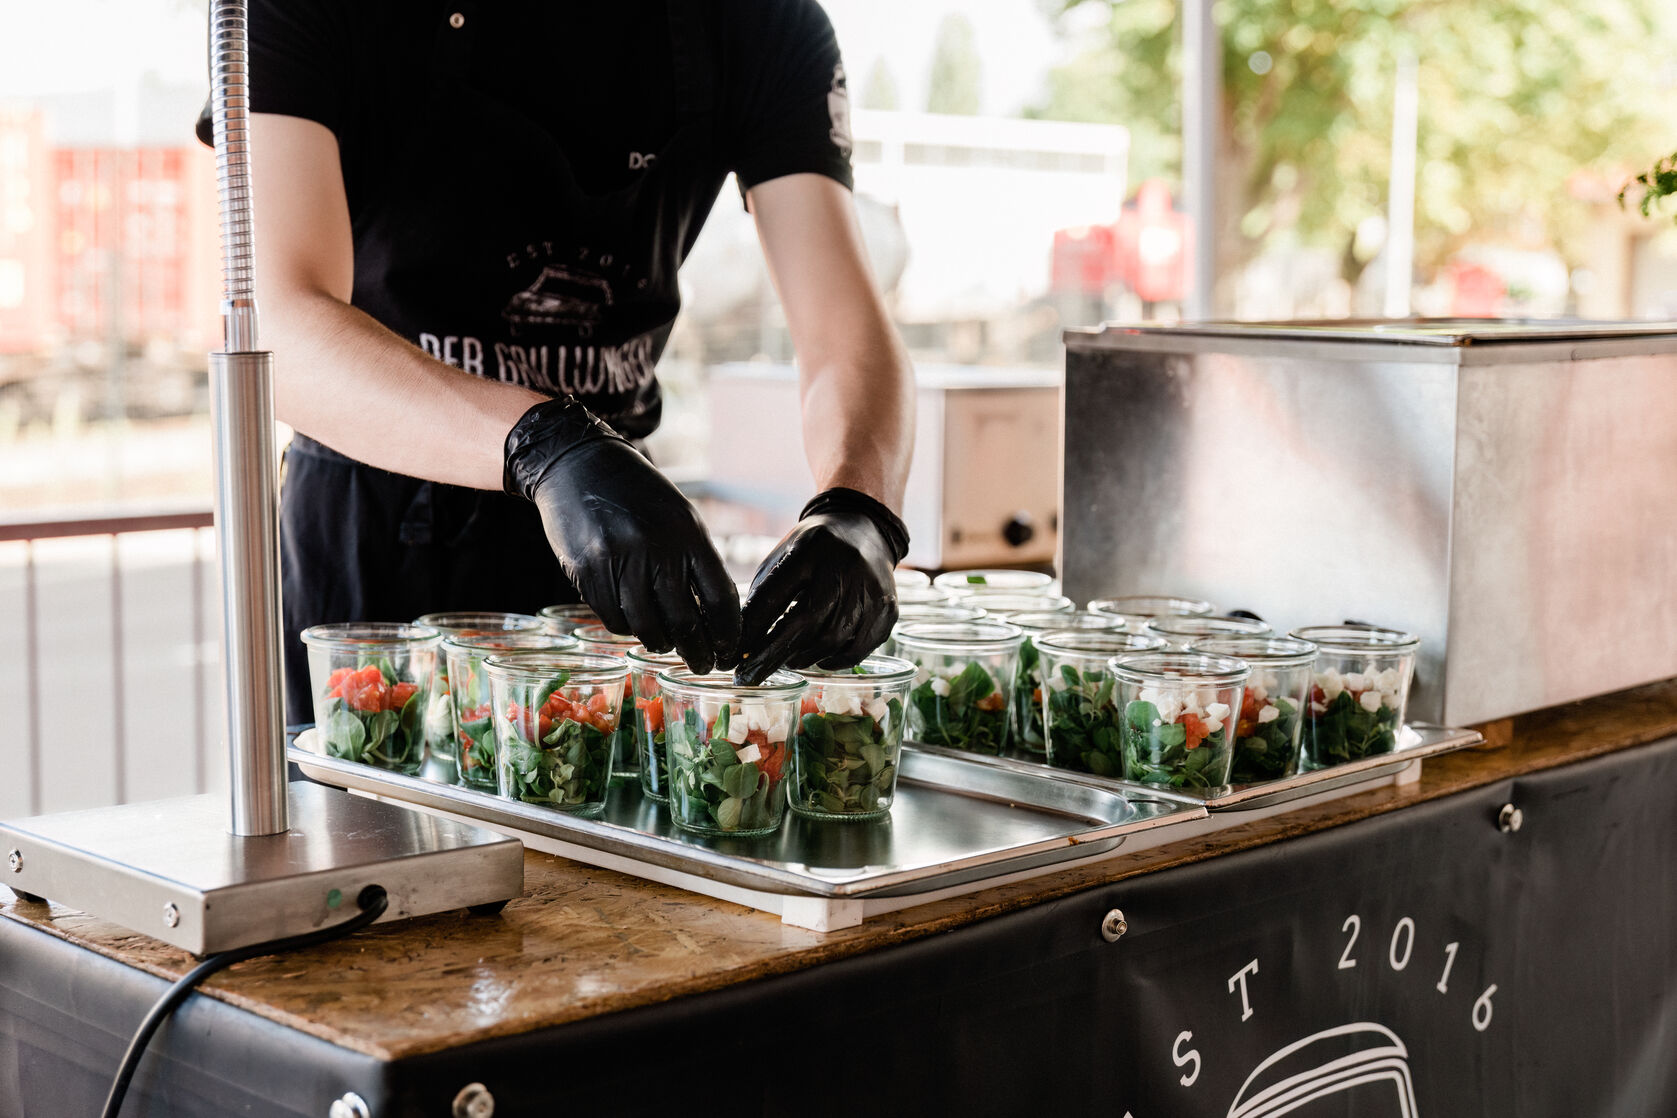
column 1170, row 708
column 749, row 754
column 1056, row 682
column 1370, row 701
column 1330, row 682
column 878, row 709
column 1270, row 714
column 1389, row 699
column 1259, row 692
column 1217, row 711
column 940, row 686
column 1265, row 680
column 1151, row 695
column 921, row 675
column 737, row 731
column 1354, row 681
column 1387, row 680
column 1212, row 725
column 1318, row 708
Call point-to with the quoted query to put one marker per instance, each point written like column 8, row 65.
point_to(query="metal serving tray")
column 953, row 822
column 1418, row 740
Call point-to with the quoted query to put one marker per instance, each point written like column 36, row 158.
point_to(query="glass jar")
column 439, row 714
column 1271, row 718
column 850, row 740
column 1177, row 713
column 729, row 749
column 1027, row 683
column 1360, row 691
column 472, row 752
column 923, row 596
column 963, row 681
column 929, row 612
column 648, row 718
column 1180, row 631
column 555, row 714
column 372, row 682
column 566, row 619
column 601, row 641
column 995, row 581
column 1150, row 605
column 1001, row 605
column 1077, row 703
column 908, row 576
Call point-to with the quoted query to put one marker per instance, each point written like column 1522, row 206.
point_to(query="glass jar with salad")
column 648, row 718
column 1027, row 682
column 1359, row 693
column 1002, row 605
column 555, row 714
column 473, row 750
column 440, row 729
column 963, row 681
column 567, row 619
column 995, row 581
column 923, row 596
column 1271, row 718
column 1178, row 713
column 372, row 682
column 850, row 740
column 908, row 576
column 1078, row 700
column 601, row 641
column 1180, row 631
column 729, row 749
column 1148, row 606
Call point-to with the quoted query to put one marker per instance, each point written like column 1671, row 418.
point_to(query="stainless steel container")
column 1505, row 490
column 981, row 491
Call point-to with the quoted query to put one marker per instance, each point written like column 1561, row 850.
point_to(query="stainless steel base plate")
column 169, row 869
column 1418, row 740
column 953, row 822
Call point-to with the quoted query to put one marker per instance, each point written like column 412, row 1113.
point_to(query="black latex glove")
column 627, row 539
column 826, row 596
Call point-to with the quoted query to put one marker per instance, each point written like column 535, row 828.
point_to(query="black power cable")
column 372, row 900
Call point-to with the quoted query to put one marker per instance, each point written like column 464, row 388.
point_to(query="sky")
column 47, row 47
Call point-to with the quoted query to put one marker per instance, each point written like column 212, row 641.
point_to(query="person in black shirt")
column 469, row 218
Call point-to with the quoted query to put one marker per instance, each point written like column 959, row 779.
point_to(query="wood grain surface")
column 585, row 941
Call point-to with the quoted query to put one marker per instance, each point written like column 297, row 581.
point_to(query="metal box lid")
column 1445, row 338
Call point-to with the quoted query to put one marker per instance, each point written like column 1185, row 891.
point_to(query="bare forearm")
column 858, row 419
column 343, row 379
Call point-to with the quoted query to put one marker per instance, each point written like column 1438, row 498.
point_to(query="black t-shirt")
column 524, row 178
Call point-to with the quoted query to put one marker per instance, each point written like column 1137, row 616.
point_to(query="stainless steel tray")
column 1418, row 740
column 953, row 822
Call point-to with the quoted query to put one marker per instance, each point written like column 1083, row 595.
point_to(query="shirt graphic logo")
column 560, row 297
column 639, row 162
column 838, row 109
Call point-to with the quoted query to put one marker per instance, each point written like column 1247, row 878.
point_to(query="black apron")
column 552, row 287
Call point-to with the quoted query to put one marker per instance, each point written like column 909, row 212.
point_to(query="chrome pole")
column 247, row 485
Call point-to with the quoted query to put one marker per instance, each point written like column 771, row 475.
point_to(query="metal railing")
column 115, row 527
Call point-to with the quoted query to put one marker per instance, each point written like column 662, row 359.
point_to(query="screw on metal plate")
column 171, row 914
column 15, row 860
column 1510, row 819
column 1113, row 925
column 457, row 21
column 474, row 1101
column 351, row 1105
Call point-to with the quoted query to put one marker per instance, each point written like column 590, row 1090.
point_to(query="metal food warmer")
column 1507, row 490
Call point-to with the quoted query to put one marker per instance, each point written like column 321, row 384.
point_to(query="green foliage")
column 1156, row 752
column 956, row 72
column 880, row 90
column 568, row 769
column 385, row 739
column 1084, row 733
column 1027, row 709
column 1516, row 96
column 957, row 720
column 710, row 788
column 1346, row 732
column 1656, row 185
column 846, row 762
column 1271, row 750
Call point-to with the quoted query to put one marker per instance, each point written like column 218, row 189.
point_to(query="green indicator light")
column 334, row 899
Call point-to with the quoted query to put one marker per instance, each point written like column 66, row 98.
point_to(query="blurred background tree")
column 880, row 90
column 957, row 76
column 1516, row 96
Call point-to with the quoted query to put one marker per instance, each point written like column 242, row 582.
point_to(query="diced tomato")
column 335, row 682
column 1246, row 727
column 1317, row 695
column 1036, row 694
column 809, row 706
column 598, row 702
column 759, row 738
column 773, row 757
column 1196, row 729
column 1249, row 705
column 400, row 694
column 995, row 700
column 653, row 711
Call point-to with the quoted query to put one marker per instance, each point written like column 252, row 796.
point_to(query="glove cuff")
column 544, row 434
column 841, row 500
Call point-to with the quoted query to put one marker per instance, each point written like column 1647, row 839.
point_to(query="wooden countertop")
column 585, row 941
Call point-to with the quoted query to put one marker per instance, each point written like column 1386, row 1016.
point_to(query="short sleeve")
column 788, row 108
column 299, row 59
